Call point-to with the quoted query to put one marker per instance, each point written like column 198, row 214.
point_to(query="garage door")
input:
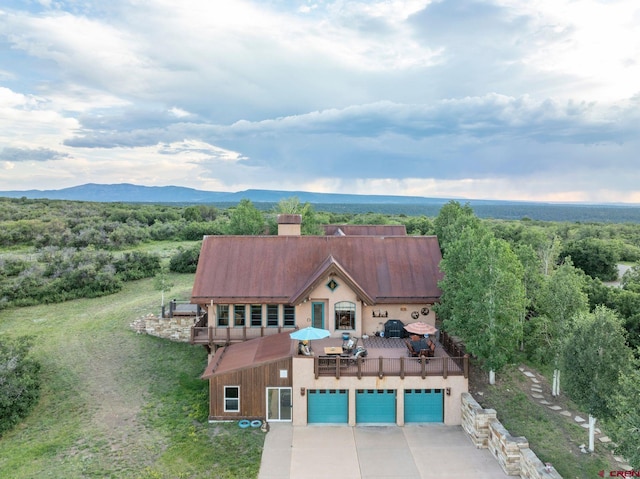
column 375, row 406
column 423, row 405
column 327, row 406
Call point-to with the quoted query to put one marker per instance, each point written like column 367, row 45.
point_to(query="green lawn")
column 116, row 404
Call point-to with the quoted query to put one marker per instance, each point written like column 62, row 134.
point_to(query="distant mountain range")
column 128, row 193
column 338, row 203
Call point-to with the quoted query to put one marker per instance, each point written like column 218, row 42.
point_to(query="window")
column 345, row 312
column 232, row 398
column 239, row 314
column 256, row 315
column 223, row 315
column 272, row 314
column 289, row 315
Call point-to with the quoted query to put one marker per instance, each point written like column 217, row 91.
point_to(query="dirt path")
column 114, row 393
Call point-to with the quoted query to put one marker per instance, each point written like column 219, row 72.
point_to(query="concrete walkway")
column 370, row 452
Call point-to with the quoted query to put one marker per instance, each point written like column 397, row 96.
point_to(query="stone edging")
column 512, row 453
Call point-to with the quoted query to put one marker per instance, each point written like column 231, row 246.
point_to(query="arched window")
column 345, row 313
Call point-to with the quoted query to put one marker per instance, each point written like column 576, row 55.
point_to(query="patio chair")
column 420, row 348
column 414, row 352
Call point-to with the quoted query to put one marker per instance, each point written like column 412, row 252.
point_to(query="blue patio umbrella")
column 309, row 333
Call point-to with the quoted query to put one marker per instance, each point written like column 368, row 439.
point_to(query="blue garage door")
column 327, row 406
column 423, row 405
column 375, row 406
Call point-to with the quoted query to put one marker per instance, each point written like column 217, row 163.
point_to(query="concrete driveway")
column 368, row 452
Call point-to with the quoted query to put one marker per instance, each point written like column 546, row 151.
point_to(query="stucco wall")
column 373, row 322
column 303, row 377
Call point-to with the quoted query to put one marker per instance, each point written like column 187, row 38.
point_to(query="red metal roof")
column 259, row 269
column 250, row 353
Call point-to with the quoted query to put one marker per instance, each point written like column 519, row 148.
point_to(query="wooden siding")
column 253, row 382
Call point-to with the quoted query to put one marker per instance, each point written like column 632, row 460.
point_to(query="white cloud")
column 599, row 44
column 493, row 97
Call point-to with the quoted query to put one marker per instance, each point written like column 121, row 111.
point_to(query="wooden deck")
column 386, row 357
column 339, row 366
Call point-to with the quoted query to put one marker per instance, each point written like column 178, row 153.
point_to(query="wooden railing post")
column 423, row 366
column 316, row 366
column 380, row 368
column 337, row 360
column 445, row 367
column 228, row 334
column 402, row 367
column 465, row 365
column 359, row 364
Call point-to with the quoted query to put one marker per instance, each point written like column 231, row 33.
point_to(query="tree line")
column 545, row 298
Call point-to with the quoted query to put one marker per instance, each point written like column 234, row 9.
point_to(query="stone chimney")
column 289, row 225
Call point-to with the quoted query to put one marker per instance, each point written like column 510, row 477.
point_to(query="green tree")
column 532, row 280
column 452, row 219
column 483, row 296
column 246, row 219
column 561, row 298
column 624, row 426
column 292, row 206
column 19, row 383
column 595, row 357
column 631, row 279
column 418, row 225
column 593, row 256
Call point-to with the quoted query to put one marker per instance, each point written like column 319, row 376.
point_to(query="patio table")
column 333, row 351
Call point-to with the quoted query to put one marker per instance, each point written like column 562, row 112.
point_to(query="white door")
column 279, row 404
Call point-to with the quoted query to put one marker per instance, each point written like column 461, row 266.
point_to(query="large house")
column 362, row 284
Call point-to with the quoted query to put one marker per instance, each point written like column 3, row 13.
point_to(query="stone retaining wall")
column 177, row 328
column 512, row 453
column 475, row 421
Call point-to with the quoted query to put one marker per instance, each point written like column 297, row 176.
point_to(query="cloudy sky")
column 503, row 99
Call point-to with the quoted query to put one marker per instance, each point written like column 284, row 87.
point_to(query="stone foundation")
column 512, row 453
column 177, row 328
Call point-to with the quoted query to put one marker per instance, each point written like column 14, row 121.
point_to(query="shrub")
column 19, row 385
column 137, row 265
column 185, row 260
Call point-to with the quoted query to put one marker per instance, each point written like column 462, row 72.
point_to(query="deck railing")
column 212, row 335
column 340, row 366
column 452, row 345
